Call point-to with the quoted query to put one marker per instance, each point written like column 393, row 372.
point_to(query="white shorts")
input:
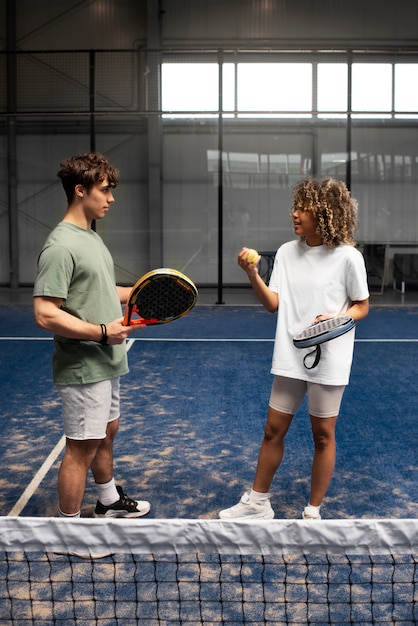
column 287, row 394
column 87, row 409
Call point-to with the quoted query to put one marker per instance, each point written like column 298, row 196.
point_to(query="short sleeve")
column 54, row 272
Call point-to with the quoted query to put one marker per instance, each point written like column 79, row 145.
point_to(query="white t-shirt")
column 313, row 281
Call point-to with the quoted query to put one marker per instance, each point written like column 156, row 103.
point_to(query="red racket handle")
column 136, row 322
column 142, row 321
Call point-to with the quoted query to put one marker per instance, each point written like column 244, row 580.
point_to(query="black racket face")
column 161, row 296
column 164, row 298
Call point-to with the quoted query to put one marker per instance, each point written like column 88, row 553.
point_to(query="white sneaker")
column 311, row 512
column 246, row 509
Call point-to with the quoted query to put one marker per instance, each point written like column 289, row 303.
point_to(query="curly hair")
column 330, row 202
column 87, row 169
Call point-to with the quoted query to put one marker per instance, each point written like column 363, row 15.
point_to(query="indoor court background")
column 212, row 110
column 206, row 168
column 193, row 410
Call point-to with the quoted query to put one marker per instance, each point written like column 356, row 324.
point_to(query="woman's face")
column 305, row 225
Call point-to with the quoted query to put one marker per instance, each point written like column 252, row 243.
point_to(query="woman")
column 318, row 276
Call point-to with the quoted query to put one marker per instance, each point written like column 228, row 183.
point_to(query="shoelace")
column 127, row 500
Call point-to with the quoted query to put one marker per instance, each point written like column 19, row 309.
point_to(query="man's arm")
column 123, row 293
column 50, row 316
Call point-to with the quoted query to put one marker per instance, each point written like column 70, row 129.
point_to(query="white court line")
column 385, row 340
column 129, row 344
column 26, row 339
column 38, row 478
column 45, row 467
column 249, row 340
column 131, row 341
column 203, row 340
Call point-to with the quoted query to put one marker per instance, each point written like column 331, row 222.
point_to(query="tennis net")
column 169, row 572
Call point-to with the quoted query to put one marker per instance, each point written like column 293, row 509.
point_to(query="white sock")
column 61, row 514
column 257, row 496
column 107, row 492
column 312, row 506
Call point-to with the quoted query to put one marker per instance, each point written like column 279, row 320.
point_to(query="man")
column 77, row 299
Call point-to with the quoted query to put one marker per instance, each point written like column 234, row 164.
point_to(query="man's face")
column 97, row 200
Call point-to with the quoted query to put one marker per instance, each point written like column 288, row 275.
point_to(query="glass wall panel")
column 41, row 202
column 126, row 228
column 52, row 81
column 4, row 211
column 261, row 165
column 385, row 182
column 190, row 200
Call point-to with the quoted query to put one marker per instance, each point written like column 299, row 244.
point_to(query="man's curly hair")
column 331, row 202
column 86, row 169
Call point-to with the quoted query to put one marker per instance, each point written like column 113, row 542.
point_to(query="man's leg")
column 102, row 463
column 72, row 474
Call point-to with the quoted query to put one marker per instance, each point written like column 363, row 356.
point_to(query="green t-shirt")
column 75, row 265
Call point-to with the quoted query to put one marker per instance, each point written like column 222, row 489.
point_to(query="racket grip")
column 137, row 322
column 126, row 318
column 128, row 321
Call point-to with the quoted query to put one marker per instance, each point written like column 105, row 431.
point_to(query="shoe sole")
column 121, row 515
column 249, row 517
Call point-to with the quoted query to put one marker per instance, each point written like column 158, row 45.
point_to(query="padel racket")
column 160, row 296
column 319, row 333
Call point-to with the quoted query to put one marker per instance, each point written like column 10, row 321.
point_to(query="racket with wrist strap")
column 160, row 296
column 320, row 333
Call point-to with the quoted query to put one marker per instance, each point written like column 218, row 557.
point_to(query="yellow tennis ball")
column 252, row 255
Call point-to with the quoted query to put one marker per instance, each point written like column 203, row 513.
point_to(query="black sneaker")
column 124, row 507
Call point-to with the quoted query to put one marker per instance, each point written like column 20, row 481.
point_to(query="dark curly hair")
column 87, row 169
column 330, row 201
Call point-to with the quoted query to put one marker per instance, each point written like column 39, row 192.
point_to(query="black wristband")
column 104, row 335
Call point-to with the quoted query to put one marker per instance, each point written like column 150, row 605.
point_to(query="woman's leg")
column 272, row 448
column 323, row 431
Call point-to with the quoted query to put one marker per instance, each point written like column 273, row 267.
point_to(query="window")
column 406, row 94
column 189, row 87
column 288, row 90
column 332, row 89
column 228, row 86
column 266, row 87
column 371, row 89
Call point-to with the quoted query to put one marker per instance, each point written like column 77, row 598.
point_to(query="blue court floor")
column 193, row 410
